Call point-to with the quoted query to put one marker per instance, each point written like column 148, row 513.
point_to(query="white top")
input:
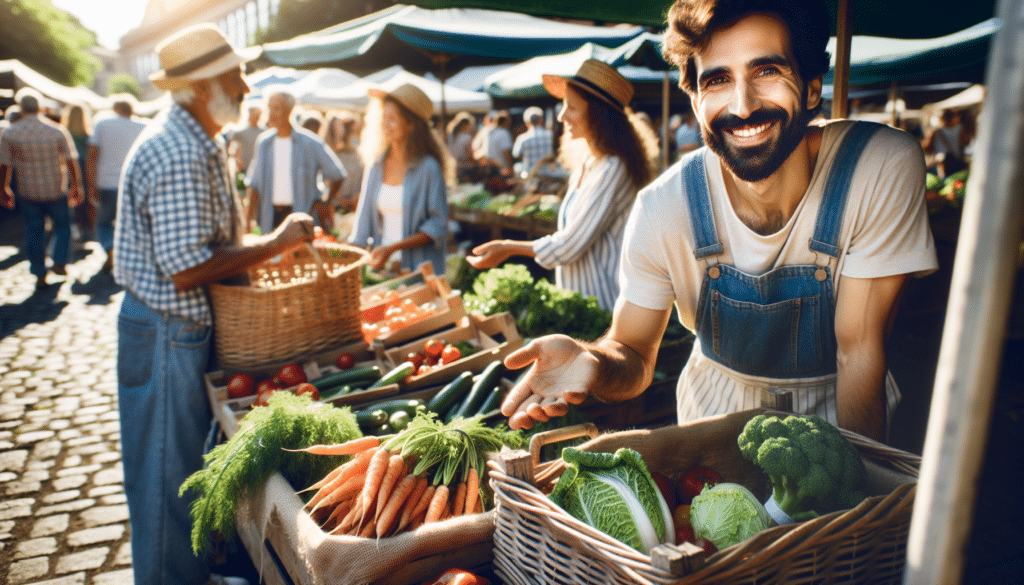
column 282, row 172
column 498, row 141
column 389, row 205
column 885, row 232
column 113, row 137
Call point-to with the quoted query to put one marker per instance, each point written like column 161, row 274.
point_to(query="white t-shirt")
column 113, row 137
column 389, row 205
column 282, row 171
column 498, row 141
column 885, row 232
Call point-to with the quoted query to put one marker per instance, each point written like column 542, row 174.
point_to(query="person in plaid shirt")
column 534, row 144
column 179, row 228
column 44, row 157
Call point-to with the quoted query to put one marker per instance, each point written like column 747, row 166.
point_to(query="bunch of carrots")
column 429, row 472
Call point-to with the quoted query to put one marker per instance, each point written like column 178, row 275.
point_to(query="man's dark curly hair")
column 692, row 22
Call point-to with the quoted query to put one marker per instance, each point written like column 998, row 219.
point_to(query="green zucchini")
column 399, row 420
column 371, row 418
column 395, row 376
column 483, row 385
column 451, row 394
column 351, row 377
column 408, row 405
column 493, row 400
column 333, row 392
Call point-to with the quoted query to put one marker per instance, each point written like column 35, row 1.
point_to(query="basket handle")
column 538, row 441
column 321, row 272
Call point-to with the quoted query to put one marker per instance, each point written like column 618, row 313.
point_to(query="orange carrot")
column 396, row 469
column 337, row 514
column 438, row 504
column 349, row 490
column 472, row 491
column 347, row 448
column 356, row 467
column 374, row 475
column 459, row 503
column 422, row 505
column 398, row 497
column 326, row 479
column 412, row 502
column 367, row 531
column 418, row 520
column 346, row 523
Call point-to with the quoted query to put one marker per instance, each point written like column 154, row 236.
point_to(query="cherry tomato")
column 694, row 480
column 263, row 392
column 449, row 354
column 415, row 358
column 345, row 361
column 290, row 375
column 241, row 385
column 307, row 388
column 685, row 534
column 267, row 385
column 433, row 349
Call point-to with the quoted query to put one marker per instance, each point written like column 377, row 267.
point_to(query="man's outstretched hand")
column 563, row 373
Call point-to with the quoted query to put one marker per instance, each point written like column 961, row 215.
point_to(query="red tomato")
column 684, row 534
column 307, row 388
column 264, row 391
column 694, row 480
column 681, row 515
column 415, row 358
column 449, row 354
column 708, row 546
column 241, row 385
column 267, row 385
column 290, row 375
column 668, row 491
column 433, row 349
column 345, row 361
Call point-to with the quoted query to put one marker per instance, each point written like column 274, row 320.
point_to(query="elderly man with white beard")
column 179, row 229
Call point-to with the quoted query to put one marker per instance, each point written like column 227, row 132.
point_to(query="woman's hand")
column 562, row 374
column 379, row 257
column 495, row 252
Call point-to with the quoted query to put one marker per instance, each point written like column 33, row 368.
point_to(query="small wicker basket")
column 535, row 541
column 305, row 302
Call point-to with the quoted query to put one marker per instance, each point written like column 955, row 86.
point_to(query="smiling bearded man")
column 784, row 244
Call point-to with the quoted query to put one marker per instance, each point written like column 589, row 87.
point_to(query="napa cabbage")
column 614, row 493
column 727, row 514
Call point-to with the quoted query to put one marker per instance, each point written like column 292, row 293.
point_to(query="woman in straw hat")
column 610, row 152
column 402, row 215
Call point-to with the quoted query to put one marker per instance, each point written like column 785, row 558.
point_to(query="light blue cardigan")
column 309, row 155
column 424, row 209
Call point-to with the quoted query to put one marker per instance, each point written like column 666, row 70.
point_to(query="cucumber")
column 371, row 418
column 335, row 391
column 451, row 394
column 493, row 400
column 395, row 376
column 483, row 385
column 408, row 405
column 400, row 420
column 351, row 377
column 384, row 429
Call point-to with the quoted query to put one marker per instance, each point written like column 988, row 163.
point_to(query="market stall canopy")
column 423, row 40
column 353, row 96
column 471, row 78
column 272, row 76
column 885, row 60
column 906, row 19
column 971, row 96
column 15, row 75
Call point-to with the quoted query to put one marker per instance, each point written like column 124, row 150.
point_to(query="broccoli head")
column 813, row 469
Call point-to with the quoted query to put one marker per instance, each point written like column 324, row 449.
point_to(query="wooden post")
column 841, row 76
column 973, row 338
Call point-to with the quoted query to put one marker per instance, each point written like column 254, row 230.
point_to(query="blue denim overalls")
column 779, row 324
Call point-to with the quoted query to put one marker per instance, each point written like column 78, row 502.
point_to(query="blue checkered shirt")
column 533, row 145
column 175, row 205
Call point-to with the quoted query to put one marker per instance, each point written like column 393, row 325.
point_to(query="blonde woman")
column 402, row 215
column 77, row 119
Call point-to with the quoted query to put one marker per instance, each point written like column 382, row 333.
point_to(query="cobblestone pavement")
column 63, row 516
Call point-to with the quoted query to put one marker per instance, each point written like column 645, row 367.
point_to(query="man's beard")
column 222, row 108
column 756, row 163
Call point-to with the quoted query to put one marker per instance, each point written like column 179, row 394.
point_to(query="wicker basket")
column 305, row 302
column 537, row 542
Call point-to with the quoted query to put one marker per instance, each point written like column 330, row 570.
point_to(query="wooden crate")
column 287, row 547
column 495, row 335
column 229, row 411
column 435, row 293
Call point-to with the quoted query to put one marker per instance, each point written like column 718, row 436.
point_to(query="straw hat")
column 596, row 78
column 197, row 52
column 409, row 96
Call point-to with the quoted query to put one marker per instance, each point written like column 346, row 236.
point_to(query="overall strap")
column 833, row 203
column 698, row 198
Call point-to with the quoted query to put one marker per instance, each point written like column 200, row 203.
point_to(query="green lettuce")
column 727, row 514
column 614, row 493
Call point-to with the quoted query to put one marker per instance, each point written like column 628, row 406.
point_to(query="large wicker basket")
column 535, row 541
column 304, row 302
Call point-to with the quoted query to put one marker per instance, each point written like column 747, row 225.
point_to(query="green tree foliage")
column 124, row 83
column 298, row 17
column 48, row 40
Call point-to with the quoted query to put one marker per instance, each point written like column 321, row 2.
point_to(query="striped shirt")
column 175, row 206
column 38, row 150
column 586, row 248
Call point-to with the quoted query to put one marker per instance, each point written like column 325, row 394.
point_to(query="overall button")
column 714, row 272
column 820, row 275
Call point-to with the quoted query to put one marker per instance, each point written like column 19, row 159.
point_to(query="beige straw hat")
column 409, row 96
column 197, row 52
column 594, row 77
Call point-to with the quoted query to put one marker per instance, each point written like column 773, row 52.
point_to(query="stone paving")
column 63, row 516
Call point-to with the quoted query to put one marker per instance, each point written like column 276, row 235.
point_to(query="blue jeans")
column 165, row 416
column 106, row 212
column 36, row 236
